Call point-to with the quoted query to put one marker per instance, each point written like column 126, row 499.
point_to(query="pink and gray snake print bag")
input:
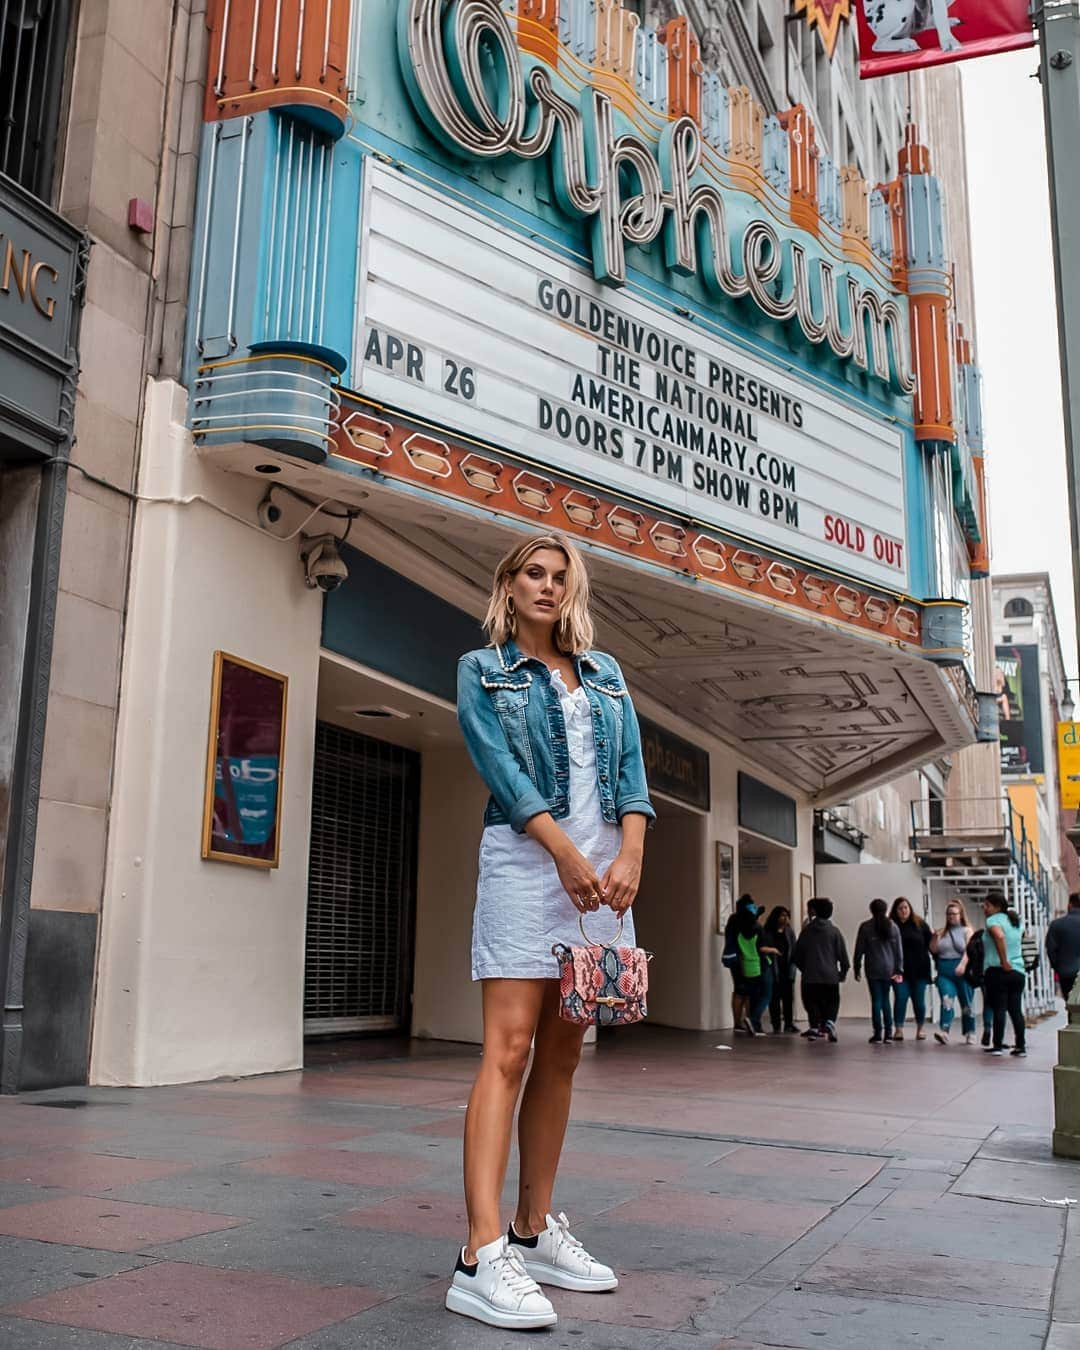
column 602, row 984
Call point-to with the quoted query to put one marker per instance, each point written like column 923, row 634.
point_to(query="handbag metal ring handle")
column 589, row 941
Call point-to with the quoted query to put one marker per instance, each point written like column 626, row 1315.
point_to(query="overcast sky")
column 1016, row 321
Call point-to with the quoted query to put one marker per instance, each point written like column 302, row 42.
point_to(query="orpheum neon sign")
column 506, row 109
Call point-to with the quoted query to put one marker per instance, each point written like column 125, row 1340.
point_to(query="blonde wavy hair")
column 574, row 628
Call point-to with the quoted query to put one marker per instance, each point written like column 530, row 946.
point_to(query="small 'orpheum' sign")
column 674, row 766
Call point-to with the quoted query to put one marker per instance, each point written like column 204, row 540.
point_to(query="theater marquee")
column 474, row 327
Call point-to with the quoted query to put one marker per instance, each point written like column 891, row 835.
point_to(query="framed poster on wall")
column 806, row 894
column 725, row 883
column 244, row 762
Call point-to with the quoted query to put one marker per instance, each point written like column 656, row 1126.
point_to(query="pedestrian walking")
column 976, row 968
column 949, row 948
column 780, row 935
column 731, row 960
column 551, row 728
column 1004, row 977
column 878, row 945
column 755, row 958
column 1063, row 946
column 915, row 939
column 822, row 958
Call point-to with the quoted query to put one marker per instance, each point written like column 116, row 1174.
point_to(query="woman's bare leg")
column 511, row 1011
column 545, row 1109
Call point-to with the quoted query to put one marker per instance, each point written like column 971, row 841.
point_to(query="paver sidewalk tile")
column 451, row 1127
column 288, row 1131
column 344, row 1165
column 196, row 1306
column 758, row 1160
column 1064, row 1336
column 640, row 1167
column 107, row 1224
column 750, row 1345
column 666, row 1302
column 1032, row 1182
column 943, row 1232
column 78, row 1171
column 878, row 1271
column 719, row 1213
column 816, row 1320
column 326, row 1253
column 28, row 1269
column 434, row 1215
column 21, row 1334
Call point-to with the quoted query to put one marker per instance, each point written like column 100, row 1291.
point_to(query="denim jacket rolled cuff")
column 527, row 806
column 637, row 806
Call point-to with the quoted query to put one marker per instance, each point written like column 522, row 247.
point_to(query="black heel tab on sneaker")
column 513, row 1236
column 462, row 1267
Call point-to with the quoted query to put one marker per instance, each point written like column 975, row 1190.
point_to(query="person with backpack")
column 974, row 972
column 755, row 958
column 878, row 944
column 1004, row 974
column 949, row 947
column 740, row 1000
column 822, row 957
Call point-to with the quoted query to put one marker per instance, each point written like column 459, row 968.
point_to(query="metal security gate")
column 361, row 883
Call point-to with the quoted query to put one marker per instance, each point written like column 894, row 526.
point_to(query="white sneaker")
column 498, row 1290
column 556, row 1257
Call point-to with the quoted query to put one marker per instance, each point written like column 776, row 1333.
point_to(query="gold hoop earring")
column 511, row 609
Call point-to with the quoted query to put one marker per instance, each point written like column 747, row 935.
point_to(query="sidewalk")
column 776, row 1193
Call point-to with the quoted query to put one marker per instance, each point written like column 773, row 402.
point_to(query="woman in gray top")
column 878, row 945
column 949, row 947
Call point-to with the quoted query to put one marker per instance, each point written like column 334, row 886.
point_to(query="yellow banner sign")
column 1069, row 764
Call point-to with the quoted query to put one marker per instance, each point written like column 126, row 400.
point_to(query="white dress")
column 521, row 907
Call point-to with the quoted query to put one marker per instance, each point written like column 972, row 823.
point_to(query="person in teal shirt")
column 1003, row 977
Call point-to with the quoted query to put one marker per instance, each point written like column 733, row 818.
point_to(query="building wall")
column 123, row 110
column 201, row 969
column 851, row 887
column 1040, row 793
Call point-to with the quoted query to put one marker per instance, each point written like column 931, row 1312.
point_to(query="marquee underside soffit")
column 824, row 711
column 827, row 712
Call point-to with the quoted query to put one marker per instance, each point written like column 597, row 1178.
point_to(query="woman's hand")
column 579, row 879
column 620, row 882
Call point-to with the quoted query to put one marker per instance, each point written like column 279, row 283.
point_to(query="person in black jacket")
column 1063, row 946
column 878, row 944
column 915, row 938
column 781, row 936
column 821, row 955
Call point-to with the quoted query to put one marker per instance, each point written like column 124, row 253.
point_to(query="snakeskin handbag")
column 602, row 984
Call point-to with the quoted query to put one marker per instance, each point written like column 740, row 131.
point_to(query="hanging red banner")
column 897, row 35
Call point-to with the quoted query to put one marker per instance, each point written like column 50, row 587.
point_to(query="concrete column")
column 1067, row 1083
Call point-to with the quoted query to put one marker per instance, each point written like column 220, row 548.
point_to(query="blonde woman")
column 551, row 728
column 949, row 946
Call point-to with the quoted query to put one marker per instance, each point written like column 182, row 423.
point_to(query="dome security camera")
column 269, row 512
column 323, row 565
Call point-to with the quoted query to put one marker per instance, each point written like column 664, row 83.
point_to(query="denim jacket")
column 516, row 734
